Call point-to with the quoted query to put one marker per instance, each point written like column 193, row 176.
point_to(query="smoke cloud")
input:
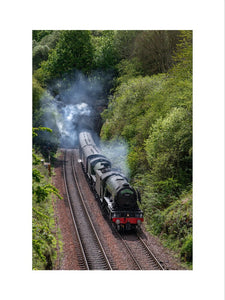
column 74, row 104
column 116, row 151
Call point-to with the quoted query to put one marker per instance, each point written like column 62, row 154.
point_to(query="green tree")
column 105, row 55
column 46, row 141
column 125, row 43
column 74, row 50
column 37, row 93
column 43, row 239
column 169, row 148
column 127, row 69
column 40, row 53
column 37, row 35
column 42, row 47
column 154, row 49
column 130, row 113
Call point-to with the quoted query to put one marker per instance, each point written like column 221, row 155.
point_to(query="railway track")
column 91, row 253
column 141, row 255
column 157, row 265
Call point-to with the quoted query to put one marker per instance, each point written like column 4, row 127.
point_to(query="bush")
column 186, row 250
column 37, row 93
column 168, row 147
column 74, row 50
column 43, row 224
column 40, row 53
column 130, row 113
column 105, row 54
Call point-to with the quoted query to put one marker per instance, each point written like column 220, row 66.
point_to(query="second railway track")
column 92, row 254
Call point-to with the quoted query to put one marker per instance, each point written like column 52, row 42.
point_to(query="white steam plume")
column 68, row 105
column 116, row 151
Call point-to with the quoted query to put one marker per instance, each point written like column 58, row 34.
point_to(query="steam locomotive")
column 110, row 186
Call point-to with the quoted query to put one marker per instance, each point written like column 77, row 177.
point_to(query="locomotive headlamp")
column 117, row 221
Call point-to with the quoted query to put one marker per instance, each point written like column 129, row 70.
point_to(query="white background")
column 18, row 19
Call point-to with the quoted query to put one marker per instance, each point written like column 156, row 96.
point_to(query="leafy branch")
column 40, row 128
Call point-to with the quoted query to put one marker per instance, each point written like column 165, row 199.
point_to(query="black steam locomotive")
column 111, row 187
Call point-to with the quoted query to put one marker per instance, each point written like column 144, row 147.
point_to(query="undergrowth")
column 171, row 221
column 44, row 232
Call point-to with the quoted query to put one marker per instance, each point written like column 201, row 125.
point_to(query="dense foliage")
column 43, row 225
column 43, row 42
column 154, row 50
column 73, row 50
column 147, row 77
column 154, row 115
